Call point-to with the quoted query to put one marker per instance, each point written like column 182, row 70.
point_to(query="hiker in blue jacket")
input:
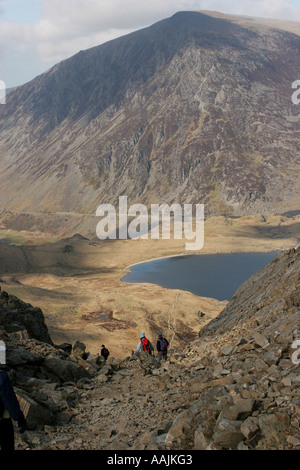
column 144, row 345
column 162, row 347
column 9, row 409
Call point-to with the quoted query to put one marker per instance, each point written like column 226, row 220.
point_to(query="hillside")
column 194, row 108
column 241, row 387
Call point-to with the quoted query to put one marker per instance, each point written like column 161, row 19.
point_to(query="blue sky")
column 21, row 11
column 36, row 34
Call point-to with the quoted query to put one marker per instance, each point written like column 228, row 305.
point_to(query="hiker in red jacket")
column 144, row 345
column 162, row 347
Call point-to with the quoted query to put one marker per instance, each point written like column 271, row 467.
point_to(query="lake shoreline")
column 201, row 279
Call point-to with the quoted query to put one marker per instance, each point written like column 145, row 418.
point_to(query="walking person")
column 162, row 347
column 104, row 352
column 144, row 345
column 9, row 410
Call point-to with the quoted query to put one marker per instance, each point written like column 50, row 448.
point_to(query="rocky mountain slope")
column 192, row 109
column 236, row 387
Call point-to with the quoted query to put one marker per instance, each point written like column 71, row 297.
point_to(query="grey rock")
column 228, row 434
column 179, row 429
column 250, row 427
column 64, row 370
column 20, row 357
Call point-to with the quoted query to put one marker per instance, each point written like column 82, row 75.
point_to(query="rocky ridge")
column 235, row 387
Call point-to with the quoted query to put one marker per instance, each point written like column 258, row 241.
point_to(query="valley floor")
column 76, row 280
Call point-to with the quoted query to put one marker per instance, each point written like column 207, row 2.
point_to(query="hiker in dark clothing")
column 162, row 347
column 104, row 352
column 144, row 345
column 9, row 409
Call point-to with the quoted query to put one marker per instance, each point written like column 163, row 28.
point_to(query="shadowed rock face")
column 191, row 109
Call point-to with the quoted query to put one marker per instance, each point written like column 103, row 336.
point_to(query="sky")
column 37, row 34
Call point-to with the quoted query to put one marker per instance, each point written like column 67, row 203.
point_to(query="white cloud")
column 67, row 26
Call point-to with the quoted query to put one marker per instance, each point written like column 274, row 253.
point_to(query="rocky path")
column 125, row 408
column 242, row 393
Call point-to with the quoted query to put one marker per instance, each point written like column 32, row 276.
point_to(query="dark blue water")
column 216, row 276
column 292, row 213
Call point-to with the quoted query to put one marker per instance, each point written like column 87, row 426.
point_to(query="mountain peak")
column 184, row 110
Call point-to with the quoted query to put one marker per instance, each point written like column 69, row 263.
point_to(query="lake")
column 217, row 276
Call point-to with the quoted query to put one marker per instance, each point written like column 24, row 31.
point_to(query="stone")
column 250, row 427
column 293, row 441
column 63, row 418
column 268, row 423
column 35, row 414
column 242, row 446
column 272, row 357
column 200, row 441
column 64, row 370
column 179, row 429
column 20, row 357
column 260, row 340
column 240, row 410
column 148, row 360
column 78, row 348
column 118, row 445
column 228, row 350
column 228, row 434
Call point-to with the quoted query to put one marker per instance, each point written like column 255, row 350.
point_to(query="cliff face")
column 236, row 387
column 192, row 109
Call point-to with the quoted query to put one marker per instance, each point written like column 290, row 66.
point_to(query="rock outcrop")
column 39, row 369
column 235, row 387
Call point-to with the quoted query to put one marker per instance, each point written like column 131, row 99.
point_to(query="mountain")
column 193, row 109
column 235, row 387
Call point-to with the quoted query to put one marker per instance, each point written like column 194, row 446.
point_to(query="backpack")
column 145, row 344
column 105, row 352
column 163, row 344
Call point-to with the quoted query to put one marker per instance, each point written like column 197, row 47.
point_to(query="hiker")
column 144, row 345
column 104, row 352
column 9, row 410
column 162, row 347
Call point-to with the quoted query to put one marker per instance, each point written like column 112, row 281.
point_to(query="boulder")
column 36, row 414
column 228, row 434
column 147, row 360
column 260, row 340
column 250, row 427
column 181, row 426
column 238, row 411
column 20, row 357
column 64, row 370
column 78, row 348
column 200, row 441
column 15, row 314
